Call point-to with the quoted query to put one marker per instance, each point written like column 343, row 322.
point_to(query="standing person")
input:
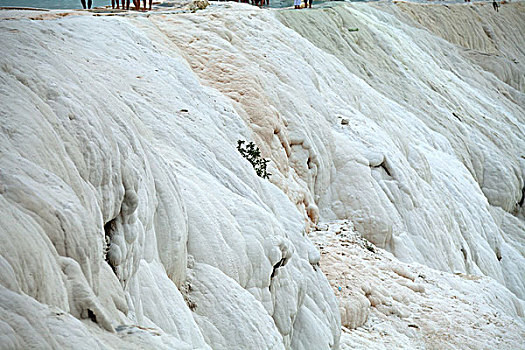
column 125, row 4
column 145, row 5
column 308, row 3
column 495, row 5
column 297, row 4
column 84, row 4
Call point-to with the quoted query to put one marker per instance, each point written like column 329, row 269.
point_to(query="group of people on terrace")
column 136, row 3
column 125, row 4
column 115, row 4
column 296, row 3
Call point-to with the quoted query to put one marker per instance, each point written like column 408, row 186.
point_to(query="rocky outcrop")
column 129, row 218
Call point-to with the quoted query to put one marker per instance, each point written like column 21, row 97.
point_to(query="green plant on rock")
column 369, row 246
column 251, row 152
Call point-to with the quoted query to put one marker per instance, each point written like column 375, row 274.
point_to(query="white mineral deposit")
column 393, row 216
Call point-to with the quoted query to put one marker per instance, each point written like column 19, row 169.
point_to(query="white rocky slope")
column 128, row 218
column 387, row 304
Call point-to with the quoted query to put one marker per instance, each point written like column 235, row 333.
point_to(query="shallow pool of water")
column 51, row 4
column 75, row 4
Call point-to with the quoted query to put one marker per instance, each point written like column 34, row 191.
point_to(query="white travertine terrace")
column 388, row 304
column 129, row 219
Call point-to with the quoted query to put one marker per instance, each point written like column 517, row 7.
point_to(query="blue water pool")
column 75, row 4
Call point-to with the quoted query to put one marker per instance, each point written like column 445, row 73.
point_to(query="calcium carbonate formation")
column 128, row 219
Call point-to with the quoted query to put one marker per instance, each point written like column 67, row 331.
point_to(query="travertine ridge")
column 129, row 219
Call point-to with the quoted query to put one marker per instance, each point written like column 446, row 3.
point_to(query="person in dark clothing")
column 88, row 4
column 125, row 4
column 308, row 3
column 495, row 5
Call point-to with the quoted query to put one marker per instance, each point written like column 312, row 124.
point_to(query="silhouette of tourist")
column 125, row 4
column 308, row 3
column 495, row 5
column 88, row 4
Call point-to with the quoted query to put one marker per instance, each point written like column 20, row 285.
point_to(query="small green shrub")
column 251, row 152
column 370, row 247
